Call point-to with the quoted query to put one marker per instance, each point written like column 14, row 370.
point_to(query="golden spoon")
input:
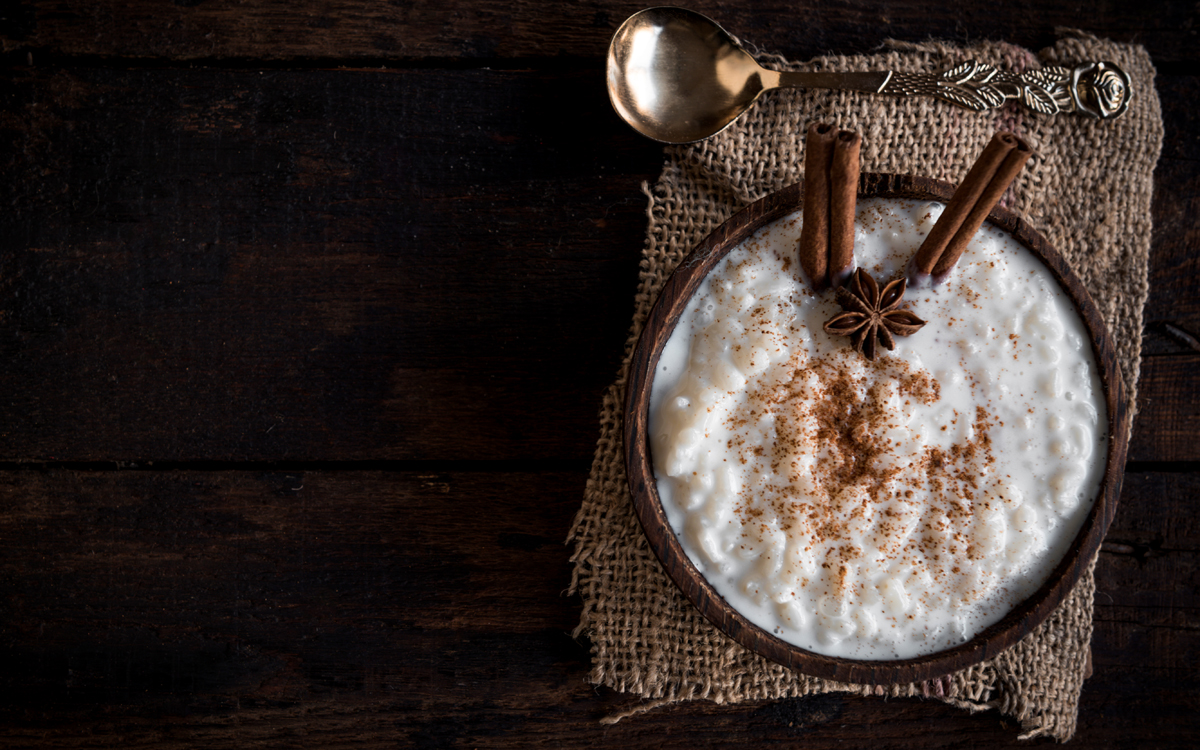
column 677, row 77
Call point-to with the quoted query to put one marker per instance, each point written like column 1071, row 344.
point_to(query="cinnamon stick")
column 831, row 167
column 843, row 201
column 980, row 190
column 814, row 234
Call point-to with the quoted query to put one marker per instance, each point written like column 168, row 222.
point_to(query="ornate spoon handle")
column 1100, row 89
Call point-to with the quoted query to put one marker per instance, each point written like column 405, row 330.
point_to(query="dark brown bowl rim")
column 1024, row 617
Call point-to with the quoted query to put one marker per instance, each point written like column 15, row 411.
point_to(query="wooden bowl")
column 1025, row 616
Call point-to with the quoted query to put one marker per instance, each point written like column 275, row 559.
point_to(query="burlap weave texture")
column 1087, row 189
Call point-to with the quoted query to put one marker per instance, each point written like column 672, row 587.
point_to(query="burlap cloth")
column 1087, row 189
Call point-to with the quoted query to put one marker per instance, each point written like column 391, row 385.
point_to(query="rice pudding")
column 888, row 509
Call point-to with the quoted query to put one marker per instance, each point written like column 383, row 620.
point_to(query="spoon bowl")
column 677, row 77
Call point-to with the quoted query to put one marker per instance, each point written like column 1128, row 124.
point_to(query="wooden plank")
column 346, row 265
column 322, row 264
column 515, row 29
column 158, row 609
column 1168, row 417
column 1148, row 590
column 903, row 724
column 1155, row 515
column 1173, row 310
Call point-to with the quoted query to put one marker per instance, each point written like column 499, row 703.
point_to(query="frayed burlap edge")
column 1087, row 190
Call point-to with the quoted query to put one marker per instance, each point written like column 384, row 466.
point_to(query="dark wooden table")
column 305, row 314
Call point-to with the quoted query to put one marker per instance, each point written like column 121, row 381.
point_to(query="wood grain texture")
column 516, row 29
column 297, row 239
column 1169, row 415
column 664, row 541
column 356, row 609
column 307, row 265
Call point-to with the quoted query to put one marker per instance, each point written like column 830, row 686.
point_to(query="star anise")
column 872, row 316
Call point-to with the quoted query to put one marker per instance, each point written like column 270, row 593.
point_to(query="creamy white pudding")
column 888, row 509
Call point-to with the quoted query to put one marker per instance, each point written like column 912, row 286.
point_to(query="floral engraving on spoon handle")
column 1099, row 89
